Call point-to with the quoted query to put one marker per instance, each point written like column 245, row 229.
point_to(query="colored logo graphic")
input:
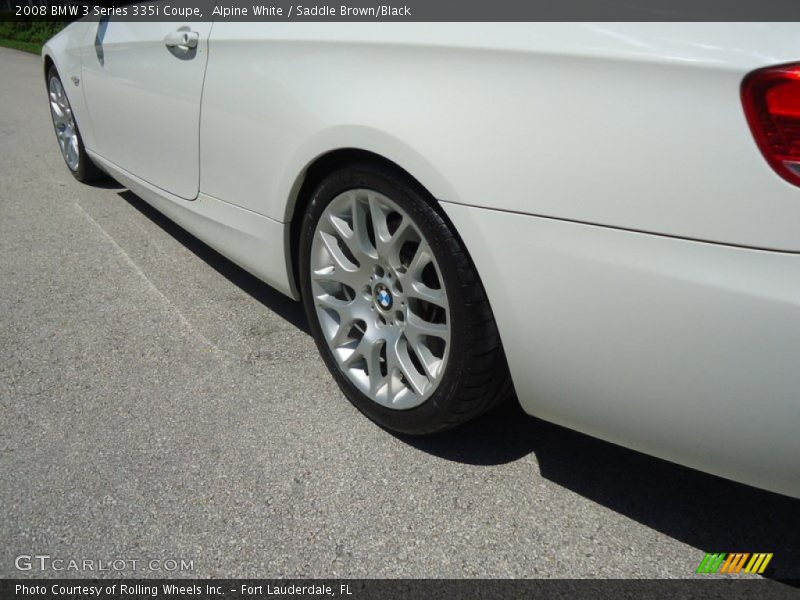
column 383, row 296
column 734, row 562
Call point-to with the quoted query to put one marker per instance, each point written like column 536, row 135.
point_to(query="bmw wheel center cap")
column 383, row 297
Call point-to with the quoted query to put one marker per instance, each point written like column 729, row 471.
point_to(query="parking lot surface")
column 158, row 403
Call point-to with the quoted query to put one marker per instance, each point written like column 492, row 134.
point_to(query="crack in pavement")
column 171, row 307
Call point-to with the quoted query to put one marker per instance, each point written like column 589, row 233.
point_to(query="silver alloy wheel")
column 380, row 299
column 66, row 132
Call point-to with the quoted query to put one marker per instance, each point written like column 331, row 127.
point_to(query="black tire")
column 86, row 171
column 476, row 376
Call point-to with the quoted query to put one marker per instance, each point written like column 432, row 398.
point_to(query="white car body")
column 640, row 255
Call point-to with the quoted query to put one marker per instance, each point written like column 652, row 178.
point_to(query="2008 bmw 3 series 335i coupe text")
column 602, row 218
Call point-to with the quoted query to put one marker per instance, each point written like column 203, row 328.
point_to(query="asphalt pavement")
column 158, row 403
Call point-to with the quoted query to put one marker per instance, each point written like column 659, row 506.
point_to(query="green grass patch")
column 28, row 36
column 31, row 47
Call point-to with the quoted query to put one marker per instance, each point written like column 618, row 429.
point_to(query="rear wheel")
column 395, row 305
column 67, row 133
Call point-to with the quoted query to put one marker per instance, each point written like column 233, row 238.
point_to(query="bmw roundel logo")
column 383, row 297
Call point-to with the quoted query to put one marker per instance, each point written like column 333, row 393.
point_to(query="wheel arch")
column 322, row 166
column 48, row 62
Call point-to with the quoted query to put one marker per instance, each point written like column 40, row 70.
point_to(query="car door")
column 142, row 84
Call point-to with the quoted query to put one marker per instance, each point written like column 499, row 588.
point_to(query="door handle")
column 182, row 39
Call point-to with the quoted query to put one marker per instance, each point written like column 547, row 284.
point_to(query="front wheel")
column 68, row 136
column 395, row 304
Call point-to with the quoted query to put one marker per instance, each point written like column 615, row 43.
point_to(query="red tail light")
column 771, row 99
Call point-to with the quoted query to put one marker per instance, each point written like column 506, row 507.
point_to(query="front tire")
column 395, row 305
column 68, row 135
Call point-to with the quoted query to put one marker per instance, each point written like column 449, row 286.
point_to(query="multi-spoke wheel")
column 379, row 298
column 69, row 138
column 395, row 305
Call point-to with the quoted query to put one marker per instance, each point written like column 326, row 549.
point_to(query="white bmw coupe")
column 604, row 218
